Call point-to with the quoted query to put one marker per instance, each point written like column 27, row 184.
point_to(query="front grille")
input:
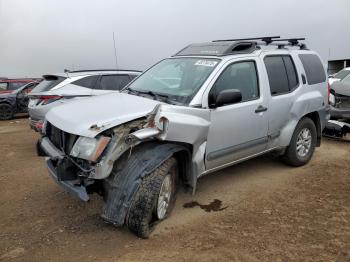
column 62, row 140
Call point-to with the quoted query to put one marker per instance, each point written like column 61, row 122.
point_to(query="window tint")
column 282, row 74
column 277, row 74
column 291, row 72
column 313, row 68
column 114, row 82
column 49, row 82
column 88, row 81
column 241, row 76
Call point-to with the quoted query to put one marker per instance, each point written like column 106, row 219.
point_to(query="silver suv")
column 209, row 106
column 60, row 88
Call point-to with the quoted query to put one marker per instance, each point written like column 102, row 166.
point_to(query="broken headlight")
column 89, row 148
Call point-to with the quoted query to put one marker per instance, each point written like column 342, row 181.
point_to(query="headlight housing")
column 89, row 148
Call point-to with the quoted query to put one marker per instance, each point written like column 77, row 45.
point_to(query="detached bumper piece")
column 61, row 169
column 337, row 129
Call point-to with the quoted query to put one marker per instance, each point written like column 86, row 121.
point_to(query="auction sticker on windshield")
column 208, row 63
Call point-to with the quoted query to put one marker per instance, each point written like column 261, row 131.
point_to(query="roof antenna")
column 115, row 53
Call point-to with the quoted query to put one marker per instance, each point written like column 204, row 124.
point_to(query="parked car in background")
column 13, row 101
column 57, row 89
column 8, row 85
column 209, row 106
column 339, row 76
column 340, row 98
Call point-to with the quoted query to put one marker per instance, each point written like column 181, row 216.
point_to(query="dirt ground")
column 260, row 210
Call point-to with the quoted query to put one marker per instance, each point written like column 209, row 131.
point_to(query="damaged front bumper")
column 60, row 168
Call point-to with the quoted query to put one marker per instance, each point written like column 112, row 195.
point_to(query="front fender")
column 127, row 173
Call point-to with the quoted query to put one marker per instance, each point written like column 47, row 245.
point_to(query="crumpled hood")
column 91, row 116
column 341, row 88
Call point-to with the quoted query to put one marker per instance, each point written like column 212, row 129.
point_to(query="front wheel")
column 6, row 112
column 302, row 144
column 154, row 199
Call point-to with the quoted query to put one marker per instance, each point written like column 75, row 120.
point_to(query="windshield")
column 176, row 79
column 48, row 83
column 342, row 74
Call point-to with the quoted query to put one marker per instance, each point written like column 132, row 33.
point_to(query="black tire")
column 291, row 155
column 6, row 112
column 142, row 214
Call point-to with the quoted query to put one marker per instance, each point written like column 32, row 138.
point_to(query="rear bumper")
column 340, row 113
column 46, row 148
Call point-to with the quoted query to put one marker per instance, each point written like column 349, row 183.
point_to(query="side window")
column 3, row 86
column 313, row 68
column 281, row 73
column 88, row 82
column 114, row 82
column 241, row 76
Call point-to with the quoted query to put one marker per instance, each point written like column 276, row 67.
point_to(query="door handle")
column 260, row 109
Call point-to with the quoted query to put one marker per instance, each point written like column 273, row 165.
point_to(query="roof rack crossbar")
column 266, row 39
column 291, row 41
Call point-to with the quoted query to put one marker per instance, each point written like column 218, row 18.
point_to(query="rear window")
column 88, row 81
column 114, row 82
column 48, row 83
column 342, row 74
column 313, row 67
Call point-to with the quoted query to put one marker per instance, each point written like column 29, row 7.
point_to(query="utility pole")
column 115, row 53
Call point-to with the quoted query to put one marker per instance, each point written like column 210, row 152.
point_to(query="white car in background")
column 339, row 76
column 60, row 88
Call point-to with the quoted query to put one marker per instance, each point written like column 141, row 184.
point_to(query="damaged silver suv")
column 209, row 106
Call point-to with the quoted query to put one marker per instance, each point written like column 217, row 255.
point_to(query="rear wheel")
column 154, row 199
column 302, row 144
column 6, row 112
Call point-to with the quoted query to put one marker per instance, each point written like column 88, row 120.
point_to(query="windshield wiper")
column 157, row 96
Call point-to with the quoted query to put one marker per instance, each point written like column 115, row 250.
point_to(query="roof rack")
column 266, row 39
column 238, row 46
column 96, row 70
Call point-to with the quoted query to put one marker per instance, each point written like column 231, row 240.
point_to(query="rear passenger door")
column 283, row 81
column 111, row 83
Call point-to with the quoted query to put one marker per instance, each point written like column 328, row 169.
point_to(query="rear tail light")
column 39, row 125
column 44, row 100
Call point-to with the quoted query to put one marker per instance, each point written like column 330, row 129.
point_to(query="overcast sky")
column 41, row 36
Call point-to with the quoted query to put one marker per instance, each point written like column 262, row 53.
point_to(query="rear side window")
column 114, row 82
column 313, row 68
column 3, row 86
column 88, row 82
column 282, row 74
column 16, row 85
column 48, row 83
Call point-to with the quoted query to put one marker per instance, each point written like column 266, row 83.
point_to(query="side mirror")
column 229, row 96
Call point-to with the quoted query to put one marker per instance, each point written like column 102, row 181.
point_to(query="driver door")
column 23, row 99
column 237, row 130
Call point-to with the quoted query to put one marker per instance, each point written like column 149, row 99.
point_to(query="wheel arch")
column 315, row 117
column 132, row 167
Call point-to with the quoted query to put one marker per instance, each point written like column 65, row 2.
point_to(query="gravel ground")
column 260, row 210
